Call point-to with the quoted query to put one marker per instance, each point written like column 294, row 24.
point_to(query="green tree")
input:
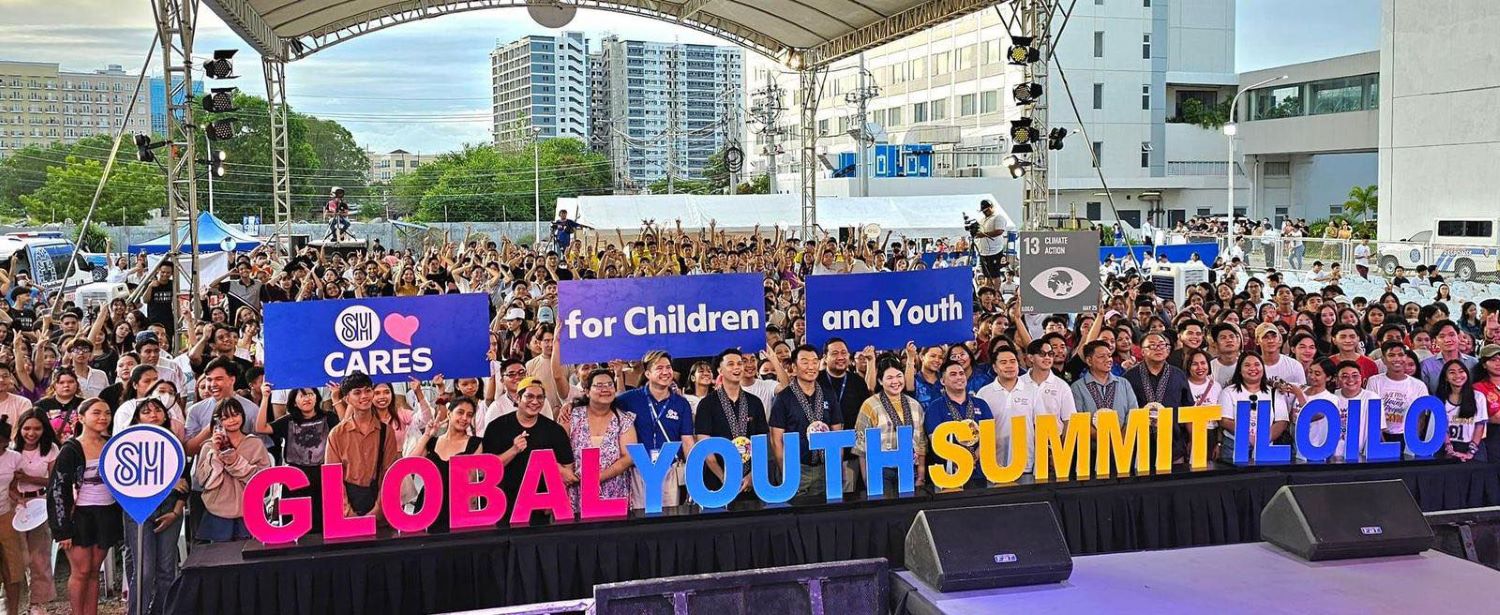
column 1362, row 202
column 133, row 190
column 482, row 182
column 25, row 170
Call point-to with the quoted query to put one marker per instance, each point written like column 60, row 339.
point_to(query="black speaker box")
column 1473, row 534
column 982, row 547
column 1345, row 520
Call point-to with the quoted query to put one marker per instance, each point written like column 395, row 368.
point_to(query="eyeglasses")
column 602, row 386
column 1157, row 346
column 515, row 373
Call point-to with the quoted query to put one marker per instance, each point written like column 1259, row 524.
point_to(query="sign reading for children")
column 688, row 316
column 392, row 339
column 887, row 310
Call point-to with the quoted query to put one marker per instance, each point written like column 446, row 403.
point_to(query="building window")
column 918, row 112
column 1099, row 43
column 939, row 109
column 1145, row 154
column 1204, row 211
column 989, row 102
column 1278, row 169
column 1146, row 98
column 966, row 105
column 1098, row 96
column 1145, row 46
column 893, row 116
column 1094, row 210
column 1098, row 153
column 1277, row 102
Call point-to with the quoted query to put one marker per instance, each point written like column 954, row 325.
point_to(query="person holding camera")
column 989, row 240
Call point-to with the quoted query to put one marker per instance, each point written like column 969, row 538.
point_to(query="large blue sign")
column 688, row 316
column 309, row 343
column 887, row 310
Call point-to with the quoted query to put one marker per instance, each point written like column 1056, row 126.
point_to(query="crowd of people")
column 71, row 375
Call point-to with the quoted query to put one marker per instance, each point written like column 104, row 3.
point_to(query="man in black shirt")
column 849, row 393
column 159, row 299
column 514, row 436
column 729, row 412
column 805, row 406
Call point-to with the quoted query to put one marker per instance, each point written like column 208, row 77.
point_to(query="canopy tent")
column 211, row 235
column 923, row 216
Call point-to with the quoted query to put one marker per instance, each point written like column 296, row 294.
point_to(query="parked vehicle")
column 45, row 256
column 1461, row 246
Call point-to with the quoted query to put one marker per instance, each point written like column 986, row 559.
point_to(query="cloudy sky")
column 424, row 86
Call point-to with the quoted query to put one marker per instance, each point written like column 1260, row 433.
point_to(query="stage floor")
column 1252, row 578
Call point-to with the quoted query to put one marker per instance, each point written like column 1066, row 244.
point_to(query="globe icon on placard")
column 1060, row 283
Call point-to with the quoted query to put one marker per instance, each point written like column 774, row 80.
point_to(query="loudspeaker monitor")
column 982, row 547
column 1345, row 520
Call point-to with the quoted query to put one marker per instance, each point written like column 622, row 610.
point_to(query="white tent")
column 922, row 216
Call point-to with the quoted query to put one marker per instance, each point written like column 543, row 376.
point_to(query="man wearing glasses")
column 1158, row 383
column 514, row 436
column 511, row 372
column 661, row 415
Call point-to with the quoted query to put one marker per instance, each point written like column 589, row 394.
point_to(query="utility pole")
column 766, row 112
column 863, row 139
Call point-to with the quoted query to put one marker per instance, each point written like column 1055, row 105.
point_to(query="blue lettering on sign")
column 140, row 463
column 887, row 310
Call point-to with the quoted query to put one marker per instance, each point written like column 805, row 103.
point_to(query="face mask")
column 166, row 399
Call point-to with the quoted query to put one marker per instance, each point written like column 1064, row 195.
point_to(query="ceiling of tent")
column 826, row 30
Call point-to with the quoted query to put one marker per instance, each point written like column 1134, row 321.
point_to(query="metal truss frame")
column 175, row 21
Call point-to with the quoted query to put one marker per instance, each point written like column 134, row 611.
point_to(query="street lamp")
column 536, row 178
column 1230, row 130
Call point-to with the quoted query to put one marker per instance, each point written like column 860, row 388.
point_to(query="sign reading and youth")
column 688, row 316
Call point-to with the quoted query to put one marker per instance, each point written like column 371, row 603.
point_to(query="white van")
column 45, row 256
column 1462, row 246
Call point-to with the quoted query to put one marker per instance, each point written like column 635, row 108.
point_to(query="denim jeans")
column 159, row 556
column 1296, row 258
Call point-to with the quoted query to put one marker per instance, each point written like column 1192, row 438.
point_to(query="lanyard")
column 843, row 382
column 656, row 416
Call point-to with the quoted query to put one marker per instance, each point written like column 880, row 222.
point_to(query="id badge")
column 655, row 453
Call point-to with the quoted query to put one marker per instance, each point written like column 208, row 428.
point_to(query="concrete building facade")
column 41, row 104
column 662, row 109
column 393, row 164
column 540, row 82
column 1132, row 67
column 1439, row 142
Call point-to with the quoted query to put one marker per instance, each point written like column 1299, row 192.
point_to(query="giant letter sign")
column 688, row 316
column 309, row 343
column 887, row 310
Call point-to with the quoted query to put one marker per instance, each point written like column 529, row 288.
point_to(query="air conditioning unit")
column 1173, row 279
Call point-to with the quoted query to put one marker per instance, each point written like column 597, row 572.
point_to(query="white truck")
column 1464, row 247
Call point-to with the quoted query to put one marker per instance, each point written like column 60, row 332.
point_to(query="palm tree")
column 1362, row 202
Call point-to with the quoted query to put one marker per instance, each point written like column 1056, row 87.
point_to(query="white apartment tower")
column 662, row 109
column 40, row 104
column 540, row 82
column 1132, row 66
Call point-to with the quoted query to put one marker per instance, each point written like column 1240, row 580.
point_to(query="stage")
column 420, row 574
column 1254, row 579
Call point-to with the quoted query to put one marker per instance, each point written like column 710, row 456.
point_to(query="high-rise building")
column 1133, row 67
column 660, row 110
column 40, row 104
column 159, row 102
column 540, row 82
column 395, row 163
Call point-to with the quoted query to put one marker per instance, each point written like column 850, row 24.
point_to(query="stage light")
column 216, row 161
column 1016, row 166
column 1021, row 52
column 143, row 147
column 222, row 66
column 1027, row 93
column 220, row 101
column 220, row 130
column 1022, row 135
column 1055, row 138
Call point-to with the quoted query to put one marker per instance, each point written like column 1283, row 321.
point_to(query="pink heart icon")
column 401, row 328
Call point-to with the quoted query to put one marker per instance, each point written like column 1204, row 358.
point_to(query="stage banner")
column 887, row 310
column 309, row 343
column 1059, row 272
column 687, row 316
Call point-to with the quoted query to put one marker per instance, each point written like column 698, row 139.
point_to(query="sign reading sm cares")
column 309, row 343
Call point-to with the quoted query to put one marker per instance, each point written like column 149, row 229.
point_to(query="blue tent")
column 211, row 234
